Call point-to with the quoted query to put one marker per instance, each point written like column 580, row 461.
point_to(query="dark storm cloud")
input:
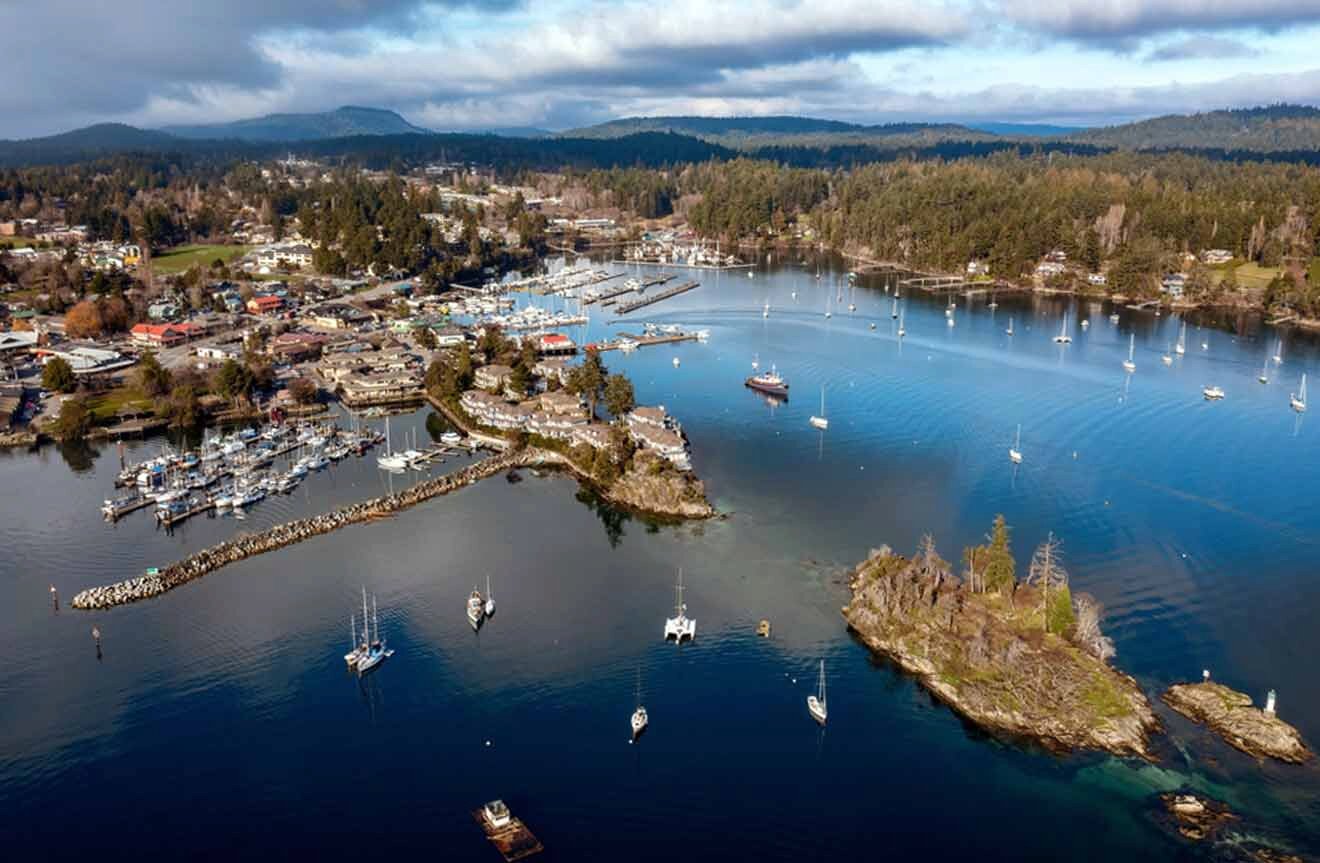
column 1106, row 21
column 73, row 60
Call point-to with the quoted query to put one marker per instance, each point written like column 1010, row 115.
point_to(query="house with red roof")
column 159, row 335
column 264, row 305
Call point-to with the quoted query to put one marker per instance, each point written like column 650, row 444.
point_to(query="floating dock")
column 652, row 300
column 513, row 840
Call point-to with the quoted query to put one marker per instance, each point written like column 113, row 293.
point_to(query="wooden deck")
column 514, row 841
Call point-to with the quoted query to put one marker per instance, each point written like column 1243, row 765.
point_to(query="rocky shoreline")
column 231, row 551
column 980, row 654
column 1243, row 726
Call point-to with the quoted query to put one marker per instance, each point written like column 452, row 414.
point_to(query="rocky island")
column 1242, row 725
column 1025, row 659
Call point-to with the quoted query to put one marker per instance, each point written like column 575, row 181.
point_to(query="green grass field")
column 180, row 258
column 105, row 406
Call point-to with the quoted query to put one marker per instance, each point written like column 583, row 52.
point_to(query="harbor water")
column 219, row 721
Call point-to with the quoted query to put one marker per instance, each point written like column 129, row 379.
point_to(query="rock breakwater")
column 233, row 550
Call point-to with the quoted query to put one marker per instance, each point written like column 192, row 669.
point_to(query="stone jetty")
column 240, row 548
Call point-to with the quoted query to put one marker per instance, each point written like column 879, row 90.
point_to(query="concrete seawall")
column 281, row 535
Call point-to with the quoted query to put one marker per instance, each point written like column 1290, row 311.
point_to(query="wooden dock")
column 936, row 283
column 171, row 520
column 652, row 300
column 608, row 296
column 514, row 841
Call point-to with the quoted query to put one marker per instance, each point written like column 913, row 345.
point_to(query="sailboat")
column 1009, row 331
column 680, row 626
column 390, row 460
column 1298, row 399
column 373, row 650
column 1063, row 338
column 756, row 362
column 1015, row 451
column 828, row 313
column 893, row 312
column 765, row 312
column 476, row 609
column 490, row 599
column 355, row 648
column 821, row 422
column 1128, row 364
column 901, row 331
column 1278, row 352
column 1181, row 347
column 816, row 703
column 1264, row 376
column 639, row 719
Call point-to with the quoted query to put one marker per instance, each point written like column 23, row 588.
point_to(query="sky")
column 559, row 64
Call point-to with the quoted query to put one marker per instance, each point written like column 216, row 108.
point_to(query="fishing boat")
column 1298, row 399
column 490, row 599
column 821, row 422
column 476, row 609
column 1181, row 347
column 768, row 382
column 1212, row 393
column 1129, row 365
column 680, row 626
column 1063, row 338
column 638, row 721
column 1015, row 451
column 816, row 703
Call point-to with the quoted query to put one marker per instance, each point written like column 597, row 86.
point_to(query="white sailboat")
column 639, row 720
column 1264, row 376
column 1181, row 347
column 1278, row 351
column 490, row 599
column 765, row 312
column 821, row 422
column 1212, row 393
column 1298, row 399
column 1129, row 365
column 373, row 651
column 1167, row 359
column 1063, row 338
column 390, row 460
column 893, row 312
column 680, row 626
column 816, row 703
column 756, row 362
column 901, row 330
column 1009, row 331
column 1015, row 451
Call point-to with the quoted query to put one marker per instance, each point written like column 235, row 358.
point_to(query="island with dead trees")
column 1019, row 657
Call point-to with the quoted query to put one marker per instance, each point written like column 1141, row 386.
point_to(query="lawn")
column 105, row 406
column 180, row 258
column 1250, row 276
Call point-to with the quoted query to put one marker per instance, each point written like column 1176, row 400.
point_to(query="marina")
column 918, row 429
column 667, row 293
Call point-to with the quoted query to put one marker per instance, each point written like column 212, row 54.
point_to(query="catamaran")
column 639, row 719
column 1181, row 347
column 1015, row 451
column 821, row 422
column 680, row 626
column 1128, row 364
column 1298, row 399
column 816, row 703
column 1063, row 338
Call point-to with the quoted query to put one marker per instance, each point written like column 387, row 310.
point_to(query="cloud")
column 1202, row 48
column 1107, row 20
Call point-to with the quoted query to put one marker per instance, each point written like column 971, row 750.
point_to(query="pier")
column 652, row 300
column 169, row 519
column 936, row 283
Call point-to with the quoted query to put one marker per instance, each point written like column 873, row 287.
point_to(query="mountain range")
column 340, row 123
column 1290, row 130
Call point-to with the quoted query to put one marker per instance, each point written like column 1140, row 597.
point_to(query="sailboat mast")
column 366, row 632
column 678, row 594
column 374, row 619
column 352, row 631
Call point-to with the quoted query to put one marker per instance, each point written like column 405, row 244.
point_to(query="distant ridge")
column 1026, row 130
column 1271, row 128
column 342, row 122
column 752, row 132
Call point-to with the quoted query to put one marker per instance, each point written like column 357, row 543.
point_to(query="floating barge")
column 663, row 295
column 508, row 834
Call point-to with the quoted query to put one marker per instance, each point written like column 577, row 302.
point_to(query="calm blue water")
column 220, row 721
